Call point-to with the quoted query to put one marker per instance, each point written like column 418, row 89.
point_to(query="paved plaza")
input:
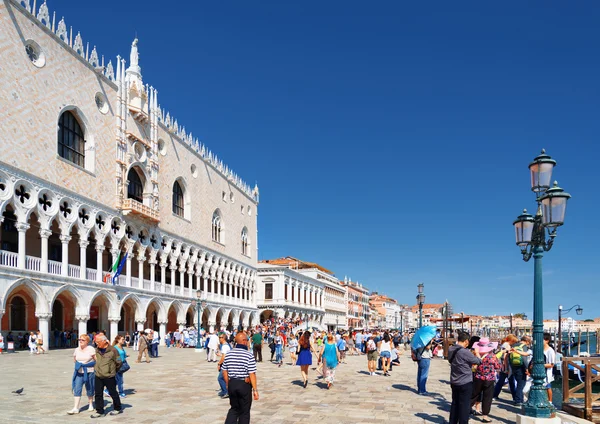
column 181, row 387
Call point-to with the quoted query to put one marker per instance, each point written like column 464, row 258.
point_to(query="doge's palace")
column 95, row 173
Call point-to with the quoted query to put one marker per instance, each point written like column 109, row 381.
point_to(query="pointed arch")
column 75, row 293
column 138, row 305
column 160, row 306
column 112, row 301
column 33, row 289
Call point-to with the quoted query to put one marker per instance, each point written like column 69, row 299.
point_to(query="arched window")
column 245, row 241
column 71, row 140
column 178, row 208
column 217, row 228
column 135, row 189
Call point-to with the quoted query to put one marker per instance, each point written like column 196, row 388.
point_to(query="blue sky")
column 390, row 140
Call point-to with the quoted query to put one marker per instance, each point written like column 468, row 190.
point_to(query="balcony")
column 32, row 263
column 139, row 209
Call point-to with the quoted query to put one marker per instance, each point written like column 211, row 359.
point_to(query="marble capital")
column 65, row 238
column 45, row 233
column 43, row 315
column 114, row 319
column 82, row 317
column 22, row 226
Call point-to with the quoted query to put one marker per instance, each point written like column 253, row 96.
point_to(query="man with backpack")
column 371, row 348
column 461, row 379
column 518, row 361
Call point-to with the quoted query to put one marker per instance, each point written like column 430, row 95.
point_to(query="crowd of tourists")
column 479, row 370
column 33, row 340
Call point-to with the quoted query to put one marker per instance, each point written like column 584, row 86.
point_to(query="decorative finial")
column 524, row 211
column 555, row 183
column 543, row 151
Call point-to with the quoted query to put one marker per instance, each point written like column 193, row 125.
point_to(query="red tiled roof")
column 295, row 263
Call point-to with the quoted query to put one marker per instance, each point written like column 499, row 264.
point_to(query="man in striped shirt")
column 239, row 373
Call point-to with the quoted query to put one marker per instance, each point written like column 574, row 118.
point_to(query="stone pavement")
column 181, row 387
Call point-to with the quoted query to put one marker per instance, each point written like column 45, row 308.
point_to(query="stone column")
column 44, row 235
column 211, row 326
column 82, row 324
column 191, row 283
column 172, row 268
column 128, row 276
column 141, row 259
column 22, row 228
column 99, row 250
column 298, row 291
column 152, row 263
column 114, row 327
column 44, row 327
column 162, row 331
column 181, row 280
column 64, row 239
column 163, row 277
column 140, row 325
column 83, row 244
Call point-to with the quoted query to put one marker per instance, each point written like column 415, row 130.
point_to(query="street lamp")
column 462, row 322
column 530, row 234
column 511, row 323
column 421, row 300
column 199, row 304
column 579, row 311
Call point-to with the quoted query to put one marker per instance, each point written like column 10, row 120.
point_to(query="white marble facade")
column 65, row 222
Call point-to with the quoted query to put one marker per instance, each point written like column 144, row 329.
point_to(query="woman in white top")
column 385, row 352
column 32, row 343
column 293, row 346
column 83, row 376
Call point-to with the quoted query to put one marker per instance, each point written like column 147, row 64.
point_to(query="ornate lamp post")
column 421, row 300
column 531, row 238
column 462, row 321
column 579, row 311
column 511, row 323
column 199, row 304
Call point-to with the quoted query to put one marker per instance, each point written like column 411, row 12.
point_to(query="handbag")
column 124, row 367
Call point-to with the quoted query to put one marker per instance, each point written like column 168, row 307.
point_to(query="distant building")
column 430, row 310
column 358, row 310
column 388, row 310
column 331, row 314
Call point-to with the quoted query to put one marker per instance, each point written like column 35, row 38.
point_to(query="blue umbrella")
column 423, row 336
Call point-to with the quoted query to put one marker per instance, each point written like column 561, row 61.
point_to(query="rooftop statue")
column 134, row 57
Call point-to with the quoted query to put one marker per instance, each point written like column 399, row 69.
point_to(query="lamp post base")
column 538, row 406
column 523, row 419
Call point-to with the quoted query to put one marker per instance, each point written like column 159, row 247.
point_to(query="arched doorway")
column 152, row 317
column 204, row 319
column 172, row 319
column 18, row 314
column 99, row 315
column 266, row 315
column 57, row 320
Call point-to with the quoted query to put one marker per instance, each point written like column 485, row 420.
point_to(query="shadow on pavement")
column 363, row 372
column 431, row 417
column 298, row 383
column 404, row 387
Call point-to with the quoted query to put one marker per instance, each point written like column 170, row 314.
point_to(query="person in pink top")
column 84, row 357
column 485, row 377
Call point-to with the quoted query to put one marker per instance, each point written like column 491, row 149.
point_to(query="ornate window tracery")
column 217, row 227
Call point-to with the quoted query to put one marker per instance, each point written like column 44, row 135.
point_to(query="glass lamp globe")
column 523, row 228
column 541, row 172
column 554, row 206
